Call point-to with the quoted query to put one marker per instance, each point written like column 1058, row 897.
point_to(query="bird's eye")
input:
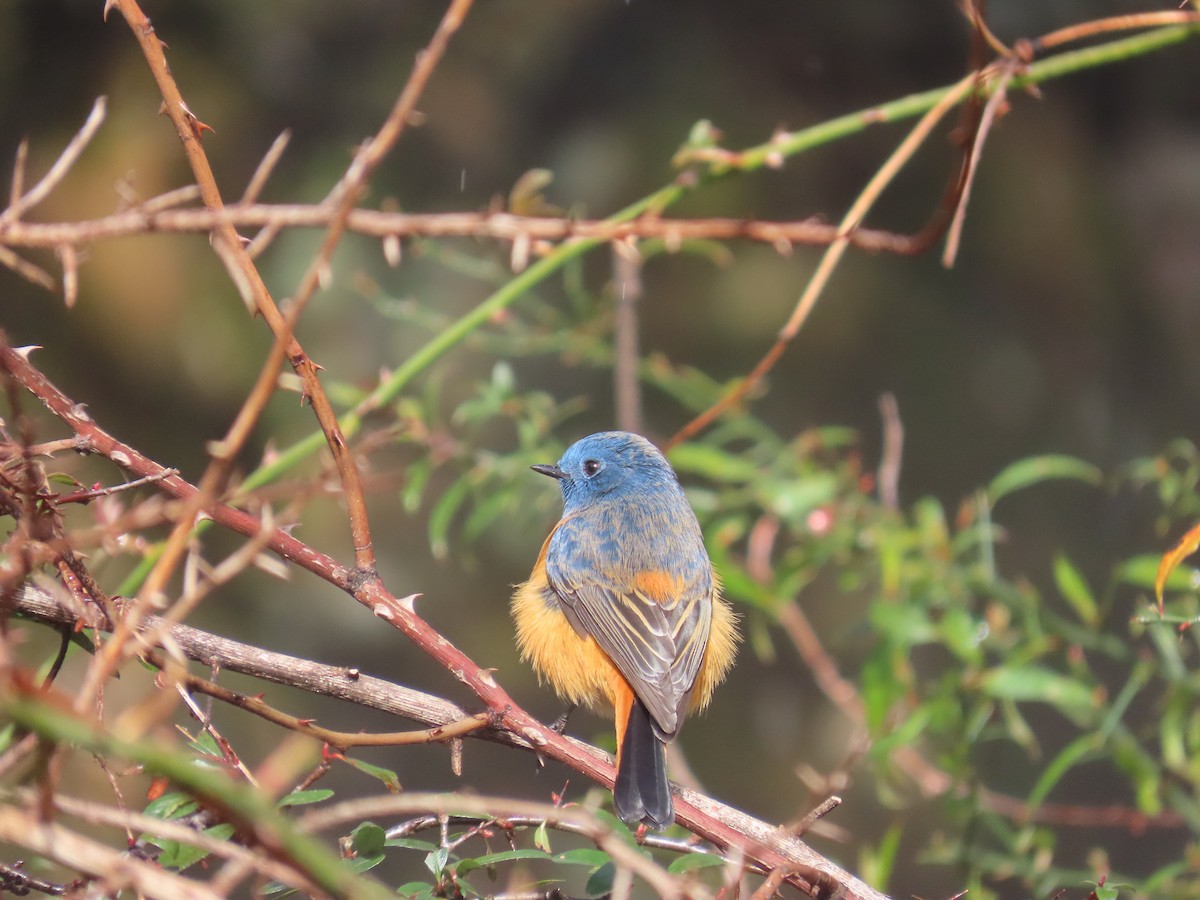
column 591, row 467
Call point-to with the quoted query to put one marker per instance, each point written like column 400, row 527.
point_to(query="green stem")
column 246, row 806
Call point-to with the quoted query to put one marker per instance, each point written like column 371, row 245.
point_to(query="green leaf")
column 600, row 882
column 1038, row 684
column 389, row 778
column 172, row 805
column 416, row 890
column 362, row 864
column 1074, row 588
column 1140, row 571
column 442, row 515
column 436, row 861
column 692, row 861
column 417, row 476
column 469, row 865
column 206, row 745
column 368, row 839
column 541, row 838
column 583, row 856
column 178, row 856
column 713, row 463
column 1071, row 755
column 1036, row 469
column 408, row 843
column 794, row 499
column 302, row 798
column 878, row 862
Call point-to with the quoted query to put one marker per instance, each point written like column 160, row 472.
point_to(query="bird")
column 623, row 609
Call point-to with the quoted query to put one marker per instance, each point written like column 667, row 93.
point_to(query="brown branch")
column 100, row 814
column 1113, row 23
column 22, row 203
column 760, row 842
column 111, row 868
column 999, row 97
column 150, row 219
column 627, row 284
column 892, row 453
column 229, row 247
column 341, row 740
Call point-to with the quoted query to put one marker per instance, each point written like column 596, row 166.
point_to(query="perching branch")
column 759, row 842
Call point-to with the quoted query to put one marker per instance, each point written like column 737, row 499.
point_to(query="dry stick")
column 347, row 192
column 99, row 814
column 223, row 455
column 970, row 9
column 228, row 246
column 226, row 654
column 262, row 174
column 1113, row 23
column 627, row 386
column 17, row 187
column 66, row 160
column 29, row 271
column 502, row 226
column 831, row 258
column 726, row 827
column 1008, row 68
column 115, row 870
column 347, row 195
column 892, row 453
column 342, row 740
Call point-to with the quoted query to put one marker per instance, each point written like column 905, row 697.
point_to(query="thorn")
column 108, row 4
column 392, row 250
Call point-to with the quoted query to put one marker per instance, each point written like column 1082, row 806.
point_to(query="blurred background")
column 1068, row 325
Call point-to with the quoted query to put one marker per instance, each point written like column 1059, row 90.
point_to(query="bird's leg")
column 559, row 725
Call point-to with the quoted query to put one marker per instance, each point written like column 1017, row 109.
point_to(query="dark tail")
column 642, row 794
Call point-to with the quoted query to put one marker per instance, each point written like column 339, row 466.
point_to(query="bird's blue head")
column 610, row 465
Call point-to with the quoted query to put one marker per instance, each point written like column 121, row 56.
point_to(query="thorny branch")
column 760, row 843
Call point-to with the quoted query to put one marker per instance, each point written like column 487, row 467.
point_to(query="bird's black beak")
column 548, row 469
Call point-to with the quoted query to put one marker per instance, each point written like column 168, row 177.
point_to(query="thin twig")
column 66, row 160
column 627, row 283
column 501, row 226
column 829, row 260
column 27, row 270
column 99, row 814
column 999, row 96
column 85, row 855
column 342, row 740
column 241, row 269
column 892, row 454
column 265, row 168
column 1113, row 23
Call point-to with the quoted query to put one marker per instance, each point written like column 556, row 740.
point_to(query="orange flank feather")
column 580, row 672
column 661, row 587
